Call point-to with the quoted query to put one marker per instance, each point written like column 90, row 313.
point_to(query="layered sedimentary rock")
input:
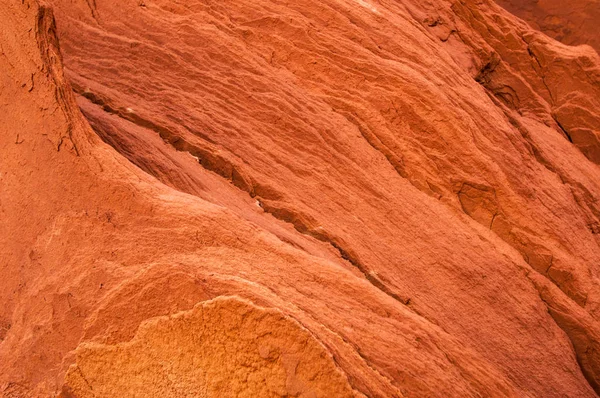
column 312, row 198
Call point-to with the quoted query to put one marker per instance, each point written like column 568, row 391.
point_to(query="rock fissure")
column 576, row 333
column 405, row 293
column 291, row 218
column 562, row 129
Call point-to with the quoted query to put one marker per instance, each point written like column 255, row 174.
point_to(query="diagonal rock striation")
column 402, row 197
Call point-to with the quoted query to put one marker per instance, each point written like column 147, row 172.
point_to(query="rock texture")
column 308, row 198
column 573, row 23
column 221, row 348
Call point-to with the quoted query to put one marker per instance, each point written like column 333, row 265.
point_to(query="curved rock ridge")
column 223, row 347
column 406, row 191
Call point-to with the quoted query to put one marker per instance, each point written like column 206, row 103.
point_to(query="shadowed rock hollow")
column 306, row 199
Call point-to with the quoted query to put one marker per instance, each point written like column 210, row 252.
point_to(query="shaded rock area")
column 573, row 23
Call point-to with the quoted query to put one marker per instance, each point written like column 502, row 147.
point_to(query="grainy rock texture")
column 313, row 198
column 220, row 348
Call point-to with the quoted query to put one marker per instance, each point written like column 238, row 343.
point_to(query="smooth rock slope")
column 309, row 199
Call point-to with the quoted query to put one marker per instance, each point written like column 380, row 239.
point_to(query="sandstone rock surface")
column 574, row 22
column 221, row 348
column 309, row 198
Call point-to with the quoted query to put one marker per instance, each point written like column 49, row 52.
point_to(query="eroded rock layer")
column 221, row 348
column 308, row 198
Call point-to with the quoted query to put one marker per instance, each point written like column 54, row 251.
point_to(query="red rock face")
column 573, row 22
column 311, row 198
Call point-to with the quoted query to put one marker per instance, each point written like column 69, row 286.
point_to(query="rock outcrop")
column 309, row 198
